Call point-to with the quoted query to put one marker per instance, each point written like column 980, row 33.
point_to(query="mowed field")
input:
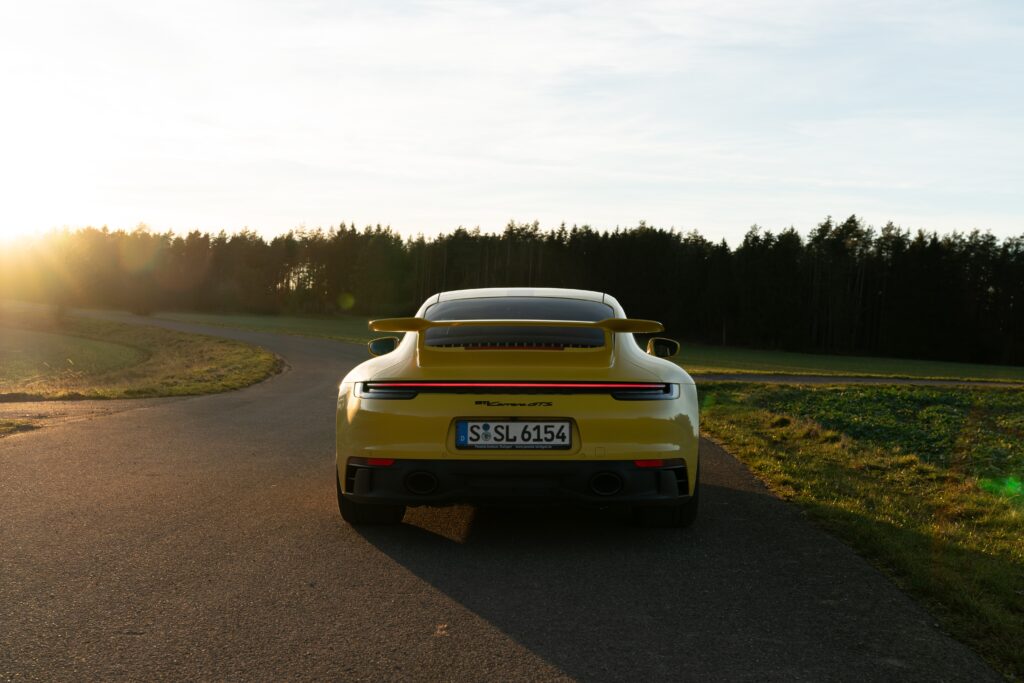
column 43, row 358
column 41, row 361
column 695, row 358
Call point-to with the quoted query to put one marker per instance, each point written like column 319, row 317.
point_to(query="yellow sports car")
column 518, row 395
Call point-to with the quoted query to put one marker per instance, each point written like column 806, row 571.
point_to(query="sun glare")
column 121, row 113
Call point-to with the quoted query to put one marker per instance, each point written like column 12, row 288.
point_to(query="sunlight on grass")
column 32, row 358
column 343, row 328
column 67, row 358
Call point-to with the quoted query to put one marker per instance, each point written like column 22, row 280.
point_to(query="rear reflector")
column 649, row 463
column 380, row 462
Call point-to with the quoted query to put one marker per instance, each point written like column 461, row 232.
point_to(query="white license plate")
column 508, row 434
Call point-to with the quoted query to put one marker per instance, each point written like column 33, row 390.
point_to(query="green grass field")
column 32, row 358
column 925, row 482
column 42, row 358
column 695, row 358
column 344, row 328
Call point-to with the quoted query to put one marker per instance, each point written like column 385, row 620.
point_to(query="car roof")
column 583, row 294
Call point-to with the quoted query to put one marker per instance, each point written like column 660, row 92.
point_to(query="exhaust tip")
column 421, row 483
column 606, row 483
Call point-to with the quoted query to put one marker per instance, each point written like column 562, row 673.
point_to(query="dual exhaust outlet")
column 605, row 483
column 422, row 483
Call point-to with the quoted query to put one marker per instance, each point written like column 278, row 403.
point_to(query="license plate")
column 513, row 434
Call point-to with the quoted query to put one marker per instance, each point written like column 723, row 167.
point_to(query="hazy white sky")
column 707, row 115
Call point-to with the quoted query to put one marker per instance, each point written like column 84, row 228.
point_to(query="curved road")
column 199, row 538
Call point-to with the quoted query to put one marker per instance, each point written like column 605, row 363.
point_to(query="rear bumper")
column 443, row 482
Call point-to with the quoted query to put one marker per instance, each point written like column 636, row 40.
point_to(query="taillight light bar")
column 399, row 389
column 517, row 385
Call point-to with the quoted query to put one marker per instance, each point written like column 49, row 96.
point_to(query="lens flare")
column 1010, row 487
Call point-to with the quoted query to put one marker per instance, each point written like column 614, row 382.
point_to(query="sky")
column 425, row 116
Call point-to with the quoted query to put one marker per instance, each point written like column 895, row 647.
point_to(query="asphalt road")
column 199, row 538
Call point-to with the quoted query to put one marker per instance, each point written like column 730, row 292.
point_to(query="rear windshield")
column 517, row 336
column 520, row 308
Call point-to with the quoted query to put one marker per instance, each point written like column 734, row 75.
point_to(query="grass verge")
column 70, row 358
column 923, row 482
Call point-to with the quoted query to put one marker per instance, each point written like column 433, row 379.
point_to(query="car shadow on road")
column 752, row 590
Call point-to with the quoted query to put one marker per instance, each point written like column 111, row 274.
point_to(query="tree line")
column 845, row 288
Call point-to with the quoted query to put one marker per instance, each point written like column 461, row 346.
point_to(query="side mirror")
column 662, row 347
column 382, row 345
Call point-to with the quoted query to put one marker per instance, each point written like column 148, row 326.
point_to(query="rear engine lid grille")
column 514, row 337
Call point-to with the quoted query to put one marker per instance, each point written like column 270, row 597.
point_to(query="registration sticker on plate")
column 510, row 434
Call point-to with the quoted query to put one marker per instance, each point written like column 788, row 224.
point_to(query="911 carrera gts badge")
column 503, row 404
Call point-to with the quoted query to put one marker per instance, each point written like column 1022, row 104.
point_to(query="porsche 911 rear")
column 514, row 396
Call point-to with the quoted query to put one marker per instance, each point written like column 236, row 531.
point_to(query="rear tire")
column 367, row 513
column 669, row 516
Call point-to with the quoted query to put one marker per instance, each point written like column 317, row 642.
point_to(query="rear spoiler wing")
column 630, row 325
